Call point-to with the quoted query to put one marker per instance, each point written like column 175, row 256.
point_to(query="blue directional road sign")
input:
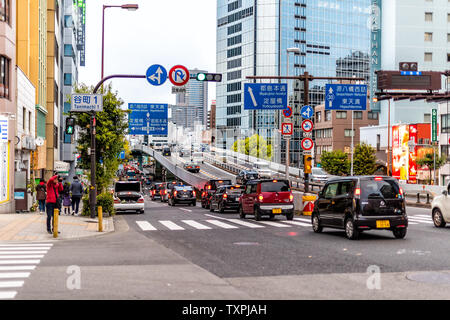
column 265, row 96
column 346, row 97
column 148, row 118
column 156, row 75
column 307, row 112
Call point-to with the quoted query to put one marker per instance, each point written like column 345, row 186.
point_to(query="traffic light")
column 215, row 77
column 70, row 125
column 307, row 163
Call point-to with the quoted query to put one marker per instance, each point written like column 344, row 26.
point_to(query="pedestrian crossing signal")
column 70, row 125
column 215, row 77
column 307, row 163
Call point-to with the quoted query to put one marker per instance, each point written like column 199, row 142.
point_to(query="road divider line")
column 297, row 223
column 11, row 284
column 11, row 275
column 274, row 224
column 221, row 224
column 8, row 294
column 145, row 226
column 244, row 223
column 171, row 225
column 196, row 225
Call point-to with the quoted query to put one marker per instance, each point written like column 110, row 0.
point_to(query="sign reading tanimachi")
column 86, row 103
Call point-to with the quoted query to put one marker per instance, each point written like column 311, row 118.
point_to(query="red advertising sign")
column 412, row 155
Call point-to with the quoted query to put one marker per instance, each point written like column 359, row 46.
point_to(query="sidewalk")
column 32, row 227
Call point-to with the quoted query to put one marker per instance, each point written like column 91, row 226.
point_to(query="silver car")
column 318, row 175
column 128, row 196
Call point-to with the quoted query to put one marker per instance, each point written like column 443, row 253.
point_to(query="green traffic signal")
column 215, row 77
column 201, row 76
column 70, row 125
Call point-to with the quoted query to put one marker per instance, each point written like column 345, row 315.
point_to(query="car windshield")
column 235, row 189
column 127, row 186
column 178, row 188
column 318, row 171
column 386, row 188
column 220, row 183
column 275, row 186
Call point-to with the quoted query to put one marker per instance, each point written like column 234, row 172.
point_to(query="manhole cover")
column 246, row 243
column 430, row 277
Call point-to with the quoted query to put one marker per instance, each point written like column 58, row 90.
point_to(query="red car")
column 267, row 198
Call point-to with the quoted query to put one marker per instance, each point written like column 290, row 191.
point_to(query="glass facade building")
column 253, row 36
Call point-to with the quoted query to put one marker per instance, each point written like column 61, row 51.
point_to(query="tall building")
column 192, row 105
column 252, row 40
column 7, row 103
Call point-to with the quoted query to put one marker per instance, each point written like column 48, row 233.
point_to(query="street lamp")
column 288, row 50
column 129, row 7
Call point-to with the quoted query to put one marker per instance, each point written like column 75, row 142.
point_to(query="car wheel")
column 399, row 233
column 241, row 213
column 350, row 230
column 290, row 216
column 211, row 208
column 438, row 219
column 317, row 228
column 221, row 208
column 257, row 214
column 194, row 203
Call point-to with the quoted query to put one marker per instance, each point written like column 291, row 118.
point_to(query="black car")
column 246, row 175
column 361, row 203
column 155, row 190
column 166, row 151
column 226, row 198
column 182, row 194
column 209, row 189
column 192, row 167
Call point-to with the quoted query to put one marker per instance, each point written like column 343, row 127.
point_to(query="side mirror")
column 445, row 193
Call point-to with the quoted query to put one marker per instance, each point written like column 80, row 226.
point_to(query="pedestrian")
column 77, row 192
column 54, row 188
column 41, row 195
column 66, row 200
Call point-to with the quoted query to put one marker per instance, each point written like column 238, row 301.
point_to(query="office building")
column 252, row 40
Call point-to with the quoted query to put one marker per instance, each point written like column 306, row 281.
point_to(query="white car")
column 440, row 209
column 263, row 169
column 128, row 196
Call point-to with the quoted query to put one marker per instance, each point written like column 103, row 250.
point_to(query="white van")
column 197, row 157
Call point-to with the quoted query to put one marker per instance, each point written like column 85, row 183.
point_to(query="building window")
column 357, row 115
column 24, row 118
column 372, row 115
column 29, row 121
column 448, row 17
column 348, row 132
column 234, row 40
column 67, row 79
column 428, row 16
column 428, row 56
column 68, row 51
column 318, row 116
column 56, row 51
column 427, row 118
column 448, row 37
column 235, row 28
column 428, row 36
column 55, row 137
column 68, row 21
column 234, row 52
column 448, row 57
column 56, row 94
column 4, row 11
column 341, row 114
column 445, row 123
column 4, row 77
column 327, row 115
column 234, row 63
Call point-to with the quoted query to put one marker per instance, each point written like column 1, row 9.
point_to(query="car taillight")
column 378, row 178
column 203, row 194
column 116, row 200
column 225, row 196
column 193, row 193
column 357, row 192
column 291, row 197
column 140, row 200
column 175, row 193
column 260, row 197
column 153, row 192
column 401, row 191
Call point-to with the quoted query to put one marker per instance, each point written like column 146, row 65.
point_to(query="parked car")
column 128, row 196
column 167, row 186
column 182, row 194
column 226, row 198
column 262, row 168
column 267, row 198
column 246, row 175
column 209, row 189
column 361, row 203
column 192, row 167
column 440, row 209
column 155, row 190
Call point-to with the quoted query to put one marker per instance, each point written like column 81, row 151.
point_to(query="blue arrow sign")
column 307, row 112
column 346, row 97
column 265, row 96
column 148, row 118
column 156, row 75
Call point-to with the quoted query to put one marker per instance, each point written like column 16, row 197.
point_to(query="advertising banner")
column 412, row 155
column 4, row 171
column 400, row 152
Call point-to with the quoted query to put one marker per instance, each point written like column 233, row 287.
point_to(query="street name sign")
column 307, row 112
column 265, row 96
column 433, row 125
column 179, row 75
column 156, row 75
column 148, row 118
column 86, row 102
column 346, row 97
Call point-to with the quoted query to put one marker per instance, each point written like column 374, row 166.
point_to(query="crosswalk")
column 225, row 223
column 16, row 263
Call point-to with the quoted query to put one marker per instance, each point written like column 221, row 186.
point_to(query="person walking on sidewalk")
column 66, row 200
column 41, row 195
column 77, row 192
column 54, row 187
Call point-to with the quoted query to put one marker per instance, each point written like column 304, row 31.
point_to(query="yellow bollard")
column 100, row 219
column 55, row 222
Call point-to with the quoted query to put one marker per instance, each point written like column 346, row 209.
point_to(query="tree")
column 255, row 146
column 428, row 160
column 335, row 162
column 111, row 128
column 364, row 160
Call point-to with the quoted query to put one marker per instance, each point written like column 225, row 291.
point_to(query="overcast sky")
column 166, row 32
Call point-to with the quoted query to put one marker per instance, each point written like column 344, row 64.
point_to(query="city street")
column 190, row 253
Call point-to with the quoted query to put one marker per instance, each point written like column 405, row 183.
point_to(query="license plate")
column 278, row 210
column 383, row 224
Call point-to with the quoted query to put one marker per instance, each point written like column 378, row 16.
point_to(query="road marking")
column 421, row 221
column 222, row 224
column 11, row 275
column 421, row 218
column 145, row 225
column 25, row 256
column 274, row 224
column 422, row 215
column 21, row 252
column 297, row 223
column 409, row 222
column 27, row 245
column 171, row 225
column 20, row 261
column 196, row 225
column 17, row 268
column 185, row 209
column 244, row 223
column 303, row 220
column 11, row 284
column 23, row 248
column 8, row 294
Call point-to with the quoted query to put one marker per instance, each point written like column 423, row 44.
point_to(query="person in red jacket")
column 54, row 187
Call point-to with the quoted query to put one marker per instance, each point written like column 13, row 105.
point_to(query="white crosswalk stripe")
column 303, row 220
column 145, row 225
column 274, row 224
column 14, row 260
column 298, row 223
column 196, row 225
column 221, row 224
column 245, row 223
column 171, row 225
